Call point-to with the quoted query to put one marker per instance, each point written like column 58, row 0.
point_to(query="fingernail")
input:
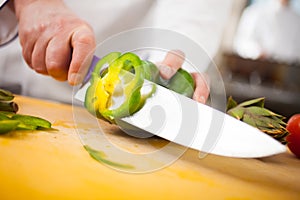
column 200, row 99
column 163, row 81
column 75, row 78
column 166, row 72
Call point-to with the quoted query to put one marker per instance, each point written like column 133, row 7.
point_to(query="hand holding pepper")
column 124, row 77
column 172, row 63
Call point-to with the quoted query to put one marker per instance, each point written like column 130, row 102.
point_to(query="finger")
column 172, row 62
column 83, row 43
column 58, row 56
column 27, row 43
column 39, row 53
column 201, row 92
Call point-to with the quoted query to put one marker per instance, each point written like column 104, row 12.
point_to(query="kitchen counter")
column 54, row 165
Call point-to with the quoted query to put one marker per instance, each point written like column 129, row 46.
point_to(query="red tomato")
column 293, row 139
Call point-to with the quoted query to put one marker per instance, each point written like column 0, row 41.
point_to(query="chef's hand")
column 55, row 41
column 172, row 62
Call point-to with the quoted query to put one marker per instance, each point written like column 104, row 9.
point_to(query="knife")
column 184, row 121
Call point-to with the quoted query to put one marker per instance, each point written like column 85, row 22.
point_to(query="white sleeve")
column 2, row 3
column 202, row 21
column 8, row 24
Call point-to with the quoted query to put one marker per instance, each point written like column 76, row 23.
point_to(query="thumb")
column 83, row 43
column 172, row 62
column 201, row 92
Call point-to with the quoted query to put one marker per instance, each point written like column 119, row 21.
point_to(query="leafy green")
column 253, row 113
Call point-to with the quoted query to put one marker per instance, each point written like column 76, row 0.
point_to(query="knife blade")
column 184, row 121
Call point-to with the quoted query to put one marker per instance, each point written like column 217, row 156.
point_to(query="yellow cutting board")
column 54, row 165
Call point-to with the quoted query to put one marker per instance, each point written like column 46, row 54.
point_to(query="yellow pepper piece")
column 103, row 96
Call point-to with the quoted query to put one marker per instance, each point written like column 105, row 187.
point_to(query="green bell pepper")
column 182, row 82
column 99, row 99
column 108, row 86
column 91, row 98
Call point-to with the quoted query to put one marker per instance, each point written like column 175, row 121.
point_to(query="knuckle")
column 56, row 71
column 85, row 39
column 30, row 30
column 84, row 35
column 54, row 67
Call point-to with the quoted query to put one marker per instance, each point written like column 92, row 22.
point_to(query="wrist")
column 19, row 5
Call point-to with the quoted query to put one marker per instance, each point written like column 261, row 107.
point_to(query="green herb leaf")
column 231, row 103
column 253, row 113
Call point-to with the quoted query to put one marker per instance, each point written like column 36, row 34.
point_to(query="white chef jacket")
column 202, row 21
column 271, row 29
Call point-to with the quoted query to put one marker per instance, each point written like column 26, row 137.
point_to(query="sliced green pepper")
column 182, row 82
column 132, row 88
column 104, row 87
column 109, row 85
column 8, row 125
column 27, row 122
column 151, row 72
column 10, row 121
column 90, row 98
column 106, row 61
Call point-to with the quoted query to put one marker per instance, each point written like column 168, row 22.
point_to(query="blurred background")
column 260, row 53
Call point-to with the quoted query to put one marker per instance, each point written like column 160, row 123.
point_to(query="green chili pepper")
column 109, row 86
